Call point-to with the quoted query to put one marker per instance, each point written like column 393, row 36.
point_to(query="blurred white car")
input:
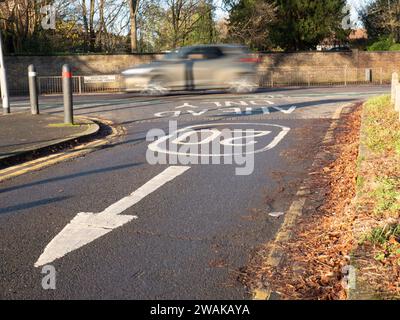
column 230, row 67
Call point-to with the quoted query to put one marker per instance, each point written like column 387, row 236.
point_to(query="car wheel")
column 244, row 83
column 157, row 86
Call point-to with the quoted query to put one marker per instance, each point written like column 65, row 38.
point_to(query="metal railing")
column 277, row 77
column 268, row 77
column 53, row 85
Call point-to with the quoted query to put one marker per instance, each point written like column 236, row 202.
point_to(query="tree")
column 250, row 23
column 288, row 24
column 151, row 22
column 106, row 25
column 204, row 30
column 165, row 25
column 81, row 26
column 381, row 18
column 303, row 24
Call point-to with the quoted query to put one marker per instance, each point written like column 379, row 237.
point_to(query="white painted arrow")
column 87, row 227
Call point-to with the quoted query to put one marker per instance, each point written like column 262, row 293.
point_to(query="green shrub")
column 383, row 44
column 395, row 47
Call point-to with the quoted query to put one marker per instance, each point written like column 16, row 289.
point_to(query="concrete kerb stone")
column 92, row 129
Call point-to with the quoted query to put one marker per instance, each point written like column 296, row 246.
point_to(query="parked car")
column 230, row 67
column 340, row 49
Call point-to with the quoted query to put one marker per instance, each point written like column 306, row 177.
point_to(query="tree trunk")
column 85, row 25
column 92, row 34
column 103, row 28
column 133, row 7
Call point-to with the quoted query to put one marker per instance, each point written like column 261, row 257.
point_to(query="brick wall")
column 354, row 59
column 81, row 65
column 332, row 66
column 317, row 64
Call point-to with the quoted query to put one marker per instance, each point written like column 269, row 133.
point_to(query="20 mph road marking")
column 87, row 227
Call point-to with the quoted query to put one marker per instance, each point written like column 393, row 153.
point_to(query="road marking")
column 158, row 145
column 186, row 105
column 286, row 111
column 232, row 110
column 49, row 160
column 87, row 227
column 44, row 162
column 276, row 214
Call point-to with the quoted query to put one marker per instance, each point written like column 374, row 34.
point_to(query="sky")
column 356, row 6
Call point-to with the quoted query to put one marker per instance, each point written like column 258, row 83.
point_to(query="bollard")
column 67, row 92
column 33, row 89
column 3, row 81
column 395, row 81
column 397, row 98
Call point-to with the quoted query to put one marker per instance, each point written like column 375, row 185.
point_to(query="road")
column 185, row 235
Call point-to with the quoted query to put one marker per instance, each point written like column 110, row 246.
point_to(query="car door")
column 206, row 67
column 174, row 68
column 180, row 70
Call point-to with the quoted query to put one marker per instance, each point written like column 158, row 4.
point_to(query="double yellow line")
column 284, row 234
column 49, row 160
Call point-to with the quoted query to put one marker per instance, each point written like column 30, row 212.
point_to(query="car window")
column 235, row 50
column 177, row 54
column 205, row 53
column 213, row 53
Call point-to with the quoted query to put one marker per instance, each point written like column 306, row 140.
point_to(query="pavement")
column 24, row 134
column 115, row 226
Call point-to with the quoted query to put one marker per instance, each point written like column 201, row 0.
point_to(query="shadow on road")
column 32, row 204
column 71, row 176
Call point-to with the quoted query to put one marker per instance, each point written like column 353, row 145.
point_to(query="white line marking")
column 276, row 214
column 285, row 110
column 87, row 227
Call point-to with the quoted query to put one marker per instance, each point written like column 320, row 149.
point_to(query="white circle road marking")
column 155, row 146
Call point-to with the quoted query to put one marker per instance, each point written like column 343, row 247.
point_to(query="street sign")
column 100, row 79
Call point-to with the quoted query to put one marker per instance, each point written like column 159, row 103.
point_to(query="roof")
column 358, row 34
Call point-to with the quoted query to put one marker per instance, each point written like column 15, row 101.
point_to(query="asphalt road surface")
column 163, row 231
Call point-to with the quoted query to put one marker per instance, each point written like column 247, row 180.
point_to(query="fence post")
column 345, row 76
column 381, row 76
column 395, row 81
column 33, row 95
column 67, row 92
column 39, row 86
column 80, row 84
column 272, row 79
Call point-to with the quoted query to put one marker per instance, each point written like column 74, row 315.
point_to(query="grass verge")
column 350, row 221
column 377, row 206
